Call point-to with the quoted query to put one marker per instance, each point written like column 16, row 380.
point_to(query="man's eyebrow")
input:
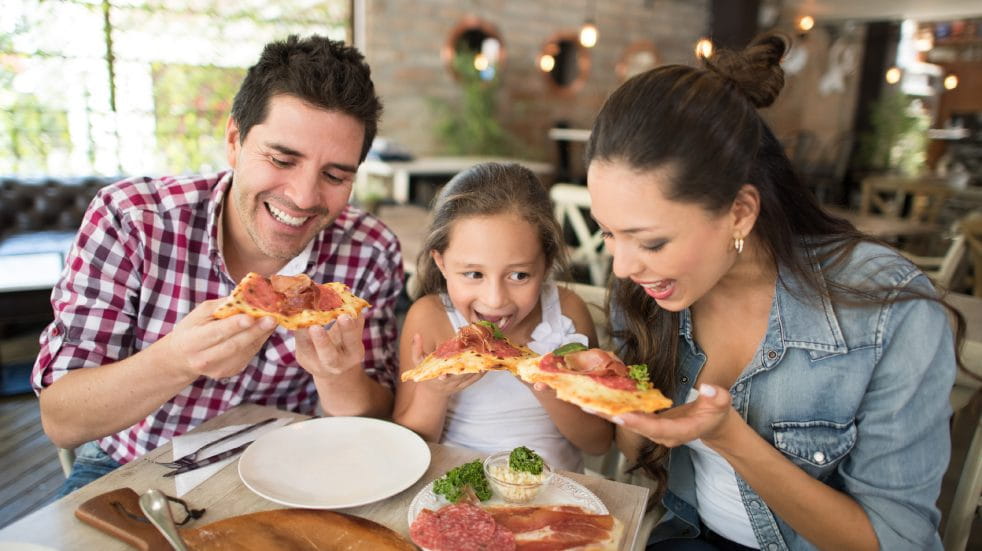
column 286, row 150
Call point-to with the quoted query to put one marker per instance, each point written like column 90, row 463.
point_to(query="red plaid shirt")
column 147, row 254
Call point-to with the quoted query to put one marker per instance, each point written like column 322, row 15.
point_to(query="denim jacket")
column 856, row 396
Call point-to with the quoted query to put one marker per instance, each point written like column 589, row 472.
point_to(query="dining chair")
column 570, row 201
column 971, row 229
column 946, row 270
column 66, row 458
column 914, row 199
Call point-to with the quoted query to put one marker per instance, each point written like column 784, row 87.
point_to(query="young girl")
column 491, row 247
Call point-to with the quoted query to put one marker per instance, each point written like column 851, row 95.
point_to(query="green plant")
column 471, row 127
column 897, row 139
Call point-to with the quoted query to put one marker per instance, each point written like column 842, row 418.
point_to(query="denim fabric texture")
column 90, row 463
column 854, row 395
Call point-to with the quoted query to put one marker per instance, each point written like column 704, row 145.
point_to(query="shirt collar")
column 799, row 318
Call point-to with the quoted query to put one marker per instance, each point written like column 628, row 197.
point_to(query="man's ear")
column 745, row 210
column 232, row 143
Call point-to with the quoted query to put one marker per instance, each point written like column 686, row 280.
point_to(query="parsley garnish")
column 494, row 329
column 639, row 372
column 452, row 484
column 524, row 459
column 568, row 348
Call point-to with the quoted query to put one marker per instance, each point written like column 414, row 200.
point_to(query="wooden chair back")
column 570, row 201
column 890, row 195
column 971, row 229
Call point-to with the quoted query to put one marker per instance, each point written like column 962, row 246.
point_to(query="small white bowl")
column 514, row 487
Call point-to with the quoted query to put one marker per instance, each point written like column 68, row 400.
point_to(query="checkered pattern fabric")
column 147, row 254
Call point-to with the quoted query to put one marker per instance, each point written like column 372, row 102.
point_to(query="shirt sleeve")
column 903, row 442
column 94, row 301
column 383, row 289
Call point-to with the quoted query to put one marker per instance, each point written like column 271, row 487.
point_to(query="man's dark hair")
column 322, row 72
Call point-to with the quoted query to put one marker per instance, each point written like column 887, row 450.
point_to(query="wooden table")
column 883, row 227
column 224, row 495
column 402, row 172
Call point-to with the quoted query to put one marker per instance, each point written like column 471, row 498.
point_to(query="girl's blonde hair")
column 487, row 189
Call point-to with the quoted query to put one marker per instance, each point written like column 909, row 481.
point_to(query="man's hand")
column 203, row 345
column 332, row 352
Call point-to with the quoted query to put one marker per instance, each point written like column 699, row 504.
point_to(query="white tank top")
column 717, row 494
column 499, row 412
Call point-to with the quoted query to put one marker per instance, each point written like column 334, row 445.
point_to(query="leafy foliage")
column 897, row 140
column 471, row 128
column 453, row 484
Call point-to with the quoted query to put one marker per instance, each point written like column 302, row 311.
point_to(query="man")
column 134, row 356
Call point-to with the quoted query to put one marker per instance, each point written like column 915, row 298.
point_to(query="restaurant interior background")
column 94, row 89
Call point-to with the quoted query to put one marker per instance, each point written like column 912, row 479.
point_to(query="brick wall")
column 404, row 39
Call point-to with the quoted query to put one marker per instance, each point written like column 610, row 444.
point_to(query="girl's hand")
column 706, row 418
column 444, row 384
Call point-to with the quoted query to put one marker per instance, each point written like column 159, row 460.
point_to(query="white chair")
column 943, row 269
column 570, row 201
column 66, row 458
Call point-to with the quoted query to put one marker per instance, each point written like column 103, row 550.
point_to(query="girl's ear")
column 438, row 260
column 745, row 209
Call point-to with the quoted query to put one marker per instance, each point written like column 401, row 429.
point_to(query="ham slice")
column 596, row 363
column 548, row 528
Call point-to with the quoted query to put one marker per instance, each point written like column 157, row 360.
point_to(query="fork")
column 193, row 456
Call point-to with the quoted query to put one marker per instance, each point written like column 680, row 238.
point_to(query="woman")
column 811, row 366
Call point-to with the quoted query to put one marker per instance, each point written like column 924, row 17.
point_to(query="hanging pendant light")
column 588, row 32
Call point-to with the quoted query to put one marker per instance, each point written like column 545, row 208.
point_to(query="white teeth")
column 286, row 218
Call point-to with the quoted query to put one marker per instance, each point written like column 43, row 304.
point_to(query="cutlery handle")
column 209, row 460
column 237, row 433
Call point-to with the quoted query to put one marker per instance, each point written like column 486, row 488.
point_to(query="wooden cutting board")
column 294, row 529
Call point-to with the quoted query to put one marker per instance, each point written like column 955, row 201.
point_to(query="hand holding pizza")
column 445, row 384
column 707, row 418
column 215, row 348
column 329, row 352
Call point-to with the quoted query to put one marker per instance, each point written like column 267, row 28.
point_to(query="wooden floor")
column 30, row 474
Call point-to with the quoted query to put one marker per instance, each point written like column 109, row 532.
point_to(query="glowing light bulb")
column 589, row 35
column 893, row 75
column 950, row 82
column 480, row 62
column 806, row 23
column 704, row 48
column 546, row 63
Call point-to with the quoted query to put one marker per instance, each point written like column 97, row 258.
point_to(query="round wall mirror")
column 638, row 57
column 565, row 63
column 474, row 50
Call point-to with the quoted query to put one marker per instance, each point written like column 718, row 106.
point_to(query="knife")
column 209, row 460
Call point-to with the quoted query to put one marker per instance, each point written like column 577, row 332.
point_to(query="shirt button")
column 771, row 546
column 740, row 387
column 55, row 331
column 771, row 354
column 819, row 457
column 685, row 379
column 755, row 504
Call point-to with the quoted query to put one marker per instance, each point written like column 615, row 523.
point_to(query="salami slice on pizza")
column 295, row 301
column 595, row 379
column 477, row 347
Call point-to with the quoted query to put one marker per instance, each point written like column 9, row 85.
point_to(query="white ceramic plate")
column 334, row 462
column 558, row 491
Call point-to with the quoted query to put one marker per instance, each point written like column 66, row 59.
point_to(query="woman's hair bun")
column 755, row 70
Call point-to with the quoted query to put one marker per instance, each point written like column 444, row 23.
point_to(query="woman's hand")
column 706, row 418
column 331, row 352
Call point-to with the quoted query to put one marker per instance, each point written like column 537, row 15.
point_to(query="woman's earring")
column 738, row 244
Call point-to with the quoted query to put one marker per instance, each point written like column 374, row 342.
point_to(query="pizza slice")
column 477, row 347
column 295, row 301
column 595, row 379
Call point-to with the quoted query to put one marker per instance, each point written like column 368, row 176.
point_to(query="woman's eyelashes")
column 652, row 246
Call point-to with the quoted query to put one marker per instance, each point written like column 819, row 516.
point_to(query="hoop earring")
column 738, row 244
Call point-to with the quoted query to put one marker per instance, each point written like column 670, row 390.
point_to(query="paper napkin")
column 187, row 443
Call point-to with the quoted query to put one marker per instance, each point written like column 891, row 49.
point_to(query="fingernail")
column 617, row 420
column 707, row 390
column 245, row 322
column 267, row 323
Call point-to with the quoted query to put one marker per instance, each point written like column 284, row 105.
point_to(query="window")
column 134, row 87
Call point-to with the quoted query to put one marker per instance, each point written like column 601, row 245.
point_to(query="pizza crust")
column 585, row 392
column 236, row 304
column 466, row 361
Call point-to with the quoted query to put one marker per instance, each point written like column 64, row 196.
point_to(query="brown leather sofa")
column 49, row 204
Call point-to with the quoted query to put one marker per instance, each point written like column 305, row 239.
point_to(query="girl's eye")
column 519, row 276
column 473, row 275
